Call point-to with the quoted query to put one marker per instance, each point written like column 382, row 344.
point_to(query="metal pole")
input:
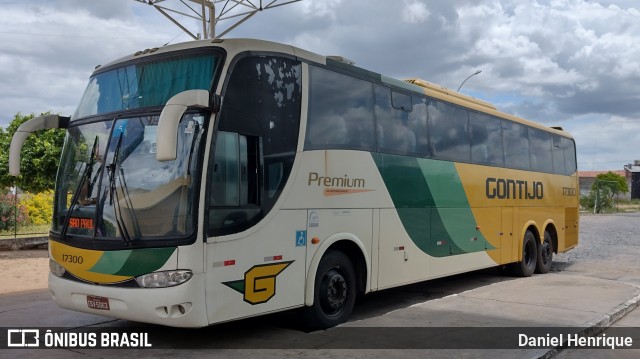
column 212, row 21
column 205, row 33
column 595, row 206
column 15, row 210
column 175, row 22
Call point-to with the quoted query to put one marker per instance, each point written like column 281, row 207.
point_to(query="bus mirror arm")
column 17, row 141
column 167, row 139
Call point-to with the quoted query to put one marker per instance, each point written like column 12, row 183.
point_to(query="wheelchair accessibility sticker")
column 301, row 238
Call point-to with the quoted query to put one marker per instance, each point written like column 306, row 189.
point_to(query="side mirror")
column 27, row 128
column 167, row 137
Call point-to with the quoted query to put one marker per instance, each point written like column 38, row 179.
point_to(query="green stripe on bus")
column 110, row 262
column 432, row 204
column 132, row 262
column 142, row 261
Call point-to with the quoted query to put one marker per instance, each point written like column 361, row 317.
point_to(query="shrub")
column 39, row 207
column 602, row 197
column 8, row 215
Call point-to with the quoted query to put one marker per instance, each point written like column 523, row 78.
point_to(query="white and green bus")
column 215, row 180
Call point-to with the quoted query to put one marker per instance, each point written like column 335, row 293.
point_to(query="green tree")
column 604, row 189
column 40, row 157
column 617, row 184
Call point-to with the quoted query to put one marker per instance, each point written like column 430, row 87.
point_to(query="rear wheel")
column 545, row 254
column 334, row 292
column 527, row 265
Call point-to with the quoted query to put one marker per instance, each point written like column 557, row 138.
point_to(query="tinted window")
column 226, row 171
column 233, row 199
column 541, row 158
column 486, row 139
column 558, row 155
column 256, row 141
column 340, row 112
column 401, row 101
column 449, row 132
column 569, row 155
column 418, row 124
column 262, row 98
column 146, row 84
column 394, row 132
column 516, row 145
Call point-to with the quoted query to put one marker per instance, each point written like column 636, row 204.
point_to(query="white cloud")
column 49, row 50
column 571, row 62
column 606, row 142
column 326, row 8
column 415, row 11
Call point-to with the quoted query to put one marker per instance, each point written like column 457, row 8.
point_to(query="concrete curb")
column 600, row 325
column 13, row 244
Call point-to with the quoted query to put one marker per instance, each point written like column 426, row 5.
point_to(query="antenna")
column 234, row 12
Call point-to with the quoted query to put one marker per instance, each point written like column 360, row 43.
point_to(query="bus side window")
column 340, row 112
column 486, row 139
column 261, row 108
column 449, row 132
column 541, row 157
column 569, row 156
column 418, row 124
column 557, row 152
column 392, row 116
column 516, row 145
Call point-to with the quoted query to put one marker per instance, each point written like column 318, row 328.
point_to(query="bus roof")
column 234, row 46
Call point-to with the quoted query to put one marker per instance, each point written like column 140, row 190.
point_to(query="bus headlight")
column 164, row 279
column 56, row 268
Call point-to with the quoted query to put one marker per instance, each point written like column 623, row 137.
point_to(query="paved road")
column 596, row 283
column 609, row 249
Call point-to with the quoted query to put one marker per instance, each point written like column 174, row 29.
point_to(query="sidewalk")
column 549, row 302
column 631, row 320
column 586, row 305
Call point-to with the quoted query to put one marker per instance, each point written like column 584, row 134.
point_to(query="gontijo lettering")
column 513, row 189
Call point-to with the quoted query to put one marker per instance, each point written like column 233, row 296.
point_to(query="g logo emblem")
column 259, row 284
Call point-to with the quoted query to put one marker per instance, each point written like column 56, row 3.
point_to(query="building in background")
column 632, row 172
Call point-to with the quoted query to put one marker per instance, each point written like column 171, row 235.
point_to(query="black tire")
column 527, row 265
column 334, row 292
column 545, row 254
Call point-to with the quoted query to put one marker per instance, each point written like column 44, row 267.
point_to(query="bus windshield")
column 110, row 184
column 146, row 84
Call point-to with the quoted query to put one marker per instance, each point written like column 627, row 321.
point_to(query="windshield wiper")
column 116, row 176
column 85, row 178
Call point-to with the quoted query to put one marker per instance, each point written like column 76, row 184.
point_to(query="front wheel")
column 545, row 254
column 334, row 292
column 527, row 265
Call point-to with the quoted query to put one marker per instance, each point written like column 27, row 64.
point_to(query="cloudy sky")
column 573, row 63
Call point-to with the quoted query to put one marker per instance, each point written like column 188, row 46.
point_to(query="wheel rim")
column 334, row 292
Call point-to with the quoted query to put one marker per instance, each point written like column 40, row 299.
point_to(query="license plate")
column 95, row 302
